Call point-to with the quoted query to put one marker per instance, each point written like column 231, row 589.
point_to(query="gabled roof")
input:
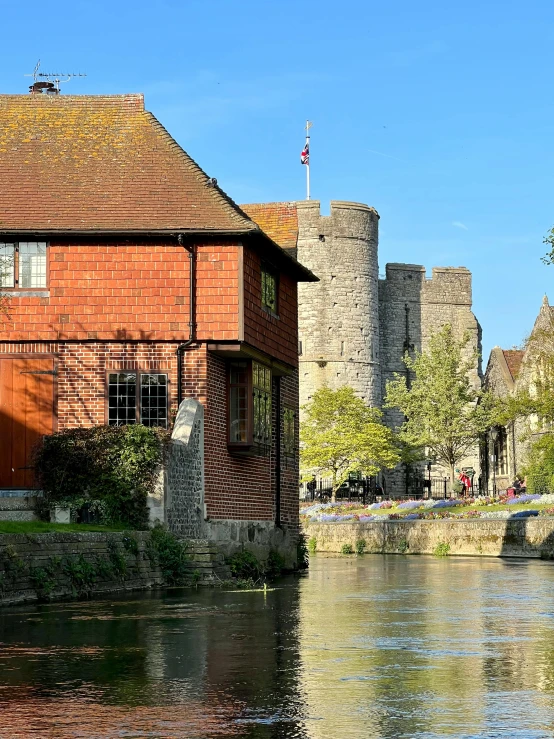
column 278, row 220
column 101, row 163
column 514, row 358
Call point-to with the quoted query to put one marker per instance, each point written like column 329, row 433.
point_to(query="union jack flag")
column 305, row 154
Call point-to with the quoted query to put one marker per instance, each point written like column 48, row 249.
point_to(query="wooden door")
column 26, row 414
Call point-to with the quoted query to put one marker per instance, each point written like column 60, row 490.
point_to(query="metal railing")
column 362, row 489
column 437, row 487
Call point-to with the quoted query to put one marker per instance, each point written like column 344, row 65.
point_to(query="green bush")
column 403, row 546
column 539, row 468
column 360, row 546
column 302, row 555
column 248, row 569
column 274, row 566
column 442, row 549
column 112, row 468
column 244, row 565
column 346, row 549
column 312, row 545
column 171, row 554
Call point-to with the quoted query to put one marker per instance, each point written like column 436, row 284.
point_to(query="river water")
column 370, row 647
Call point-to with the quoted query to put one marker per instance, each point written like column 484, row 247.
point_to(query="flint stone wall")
column 532, row 537
column 179, row 497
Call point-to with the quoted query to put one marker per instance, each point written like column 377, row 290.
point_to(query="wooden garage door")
column 26, row 414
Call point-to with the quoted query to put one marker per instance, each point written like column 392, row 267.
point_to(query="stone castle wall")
column 355, row 328
column 412, row 308
column 339, row 316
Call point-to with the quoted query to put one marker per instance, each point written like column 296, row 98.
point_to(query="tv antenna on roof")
column 49, row 82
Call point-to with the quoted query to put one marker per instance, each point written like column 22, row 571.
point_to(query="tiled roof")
column 93, row 163
column 278, row 220
column 514, row 358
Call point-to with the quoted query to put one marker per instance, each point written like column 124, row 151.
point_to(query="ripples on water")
column 375, row 647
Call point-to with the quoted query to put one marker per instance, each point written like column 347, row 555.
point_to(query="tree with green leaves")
column 341, row 435
column 444, row 412
column 549, row 240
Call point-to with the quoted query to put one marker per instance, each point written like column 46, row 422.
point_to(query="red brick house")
column 133, row 282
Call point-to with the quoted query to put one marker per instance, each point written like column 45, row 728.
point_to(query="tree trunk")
column 452, row 478
column 334, row 489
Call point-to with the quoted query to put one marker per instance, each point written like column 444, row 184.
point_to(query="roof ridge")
column 220, row 195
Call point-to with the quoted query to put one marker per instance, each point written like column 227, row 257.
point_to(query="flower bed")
column 411, row 510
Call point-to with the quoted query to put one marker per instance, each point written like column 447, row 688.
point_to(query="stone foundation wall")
column 259, row 537
column 51, row 566
column 532, row 537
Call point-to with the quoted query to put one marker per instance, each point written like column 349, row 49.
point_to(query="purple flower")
column 522, row 499
column 450, row 503
column 411, row 516
column 524, row 514
column 410, row 504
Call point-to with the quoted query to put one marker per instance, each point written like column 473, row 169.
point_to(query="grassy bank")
column 40, row 527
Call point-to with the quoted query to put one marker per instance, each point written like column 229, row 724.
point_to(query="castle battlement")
column 447, row 285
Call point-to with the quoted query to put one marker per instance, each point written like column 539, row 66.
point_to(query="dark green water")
column 373, row 647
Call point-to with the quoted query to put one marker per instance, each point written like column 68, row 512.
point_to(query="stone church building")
column 509, row 371
column 355, row 325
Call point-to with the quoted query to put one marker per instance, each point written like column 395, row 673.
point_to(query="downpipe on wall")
column 192, row 316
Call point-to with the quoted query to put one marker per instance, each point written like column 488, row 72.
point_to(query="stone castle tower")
column 339, row 319
column 354, row 328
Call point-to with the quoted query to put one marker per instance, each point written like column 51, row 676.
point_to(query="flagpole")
column 308, row 124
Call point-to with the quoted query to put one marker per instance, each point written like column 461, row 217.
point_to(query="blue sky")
column 440, row 115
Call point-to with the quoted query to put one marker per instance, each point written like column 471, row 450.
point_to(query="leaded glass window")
column 7, row 265
column 250, row 408
column 261, row 390
column 289, row 438
column 238, row 402
column 122, row 398
column 153, row 399
column 269, row 290
column 23, row 265
column 32, row 264
column 127, row 403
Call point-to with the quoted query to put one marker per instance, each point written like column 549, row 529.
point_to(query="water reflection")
column 373, row 647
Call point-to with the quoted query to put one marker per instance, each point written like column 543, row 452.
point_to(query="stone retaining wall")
column 531, row 537
column 59, row 565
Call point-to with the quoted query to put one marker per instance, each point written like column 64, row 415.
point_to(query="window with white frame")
column 23, row 265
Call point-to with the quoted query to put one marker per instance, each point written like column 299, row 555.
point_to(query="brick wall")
column 128, row 291
column 217, row 291
column 244, row 487
column 278, row 336
column 236, row 487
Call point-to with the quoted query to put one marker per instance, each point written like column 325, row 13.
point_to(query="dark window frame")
column 139, row 373
column 255, row 396
column 289, row 427
column 17, row 287
column 267, row 272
